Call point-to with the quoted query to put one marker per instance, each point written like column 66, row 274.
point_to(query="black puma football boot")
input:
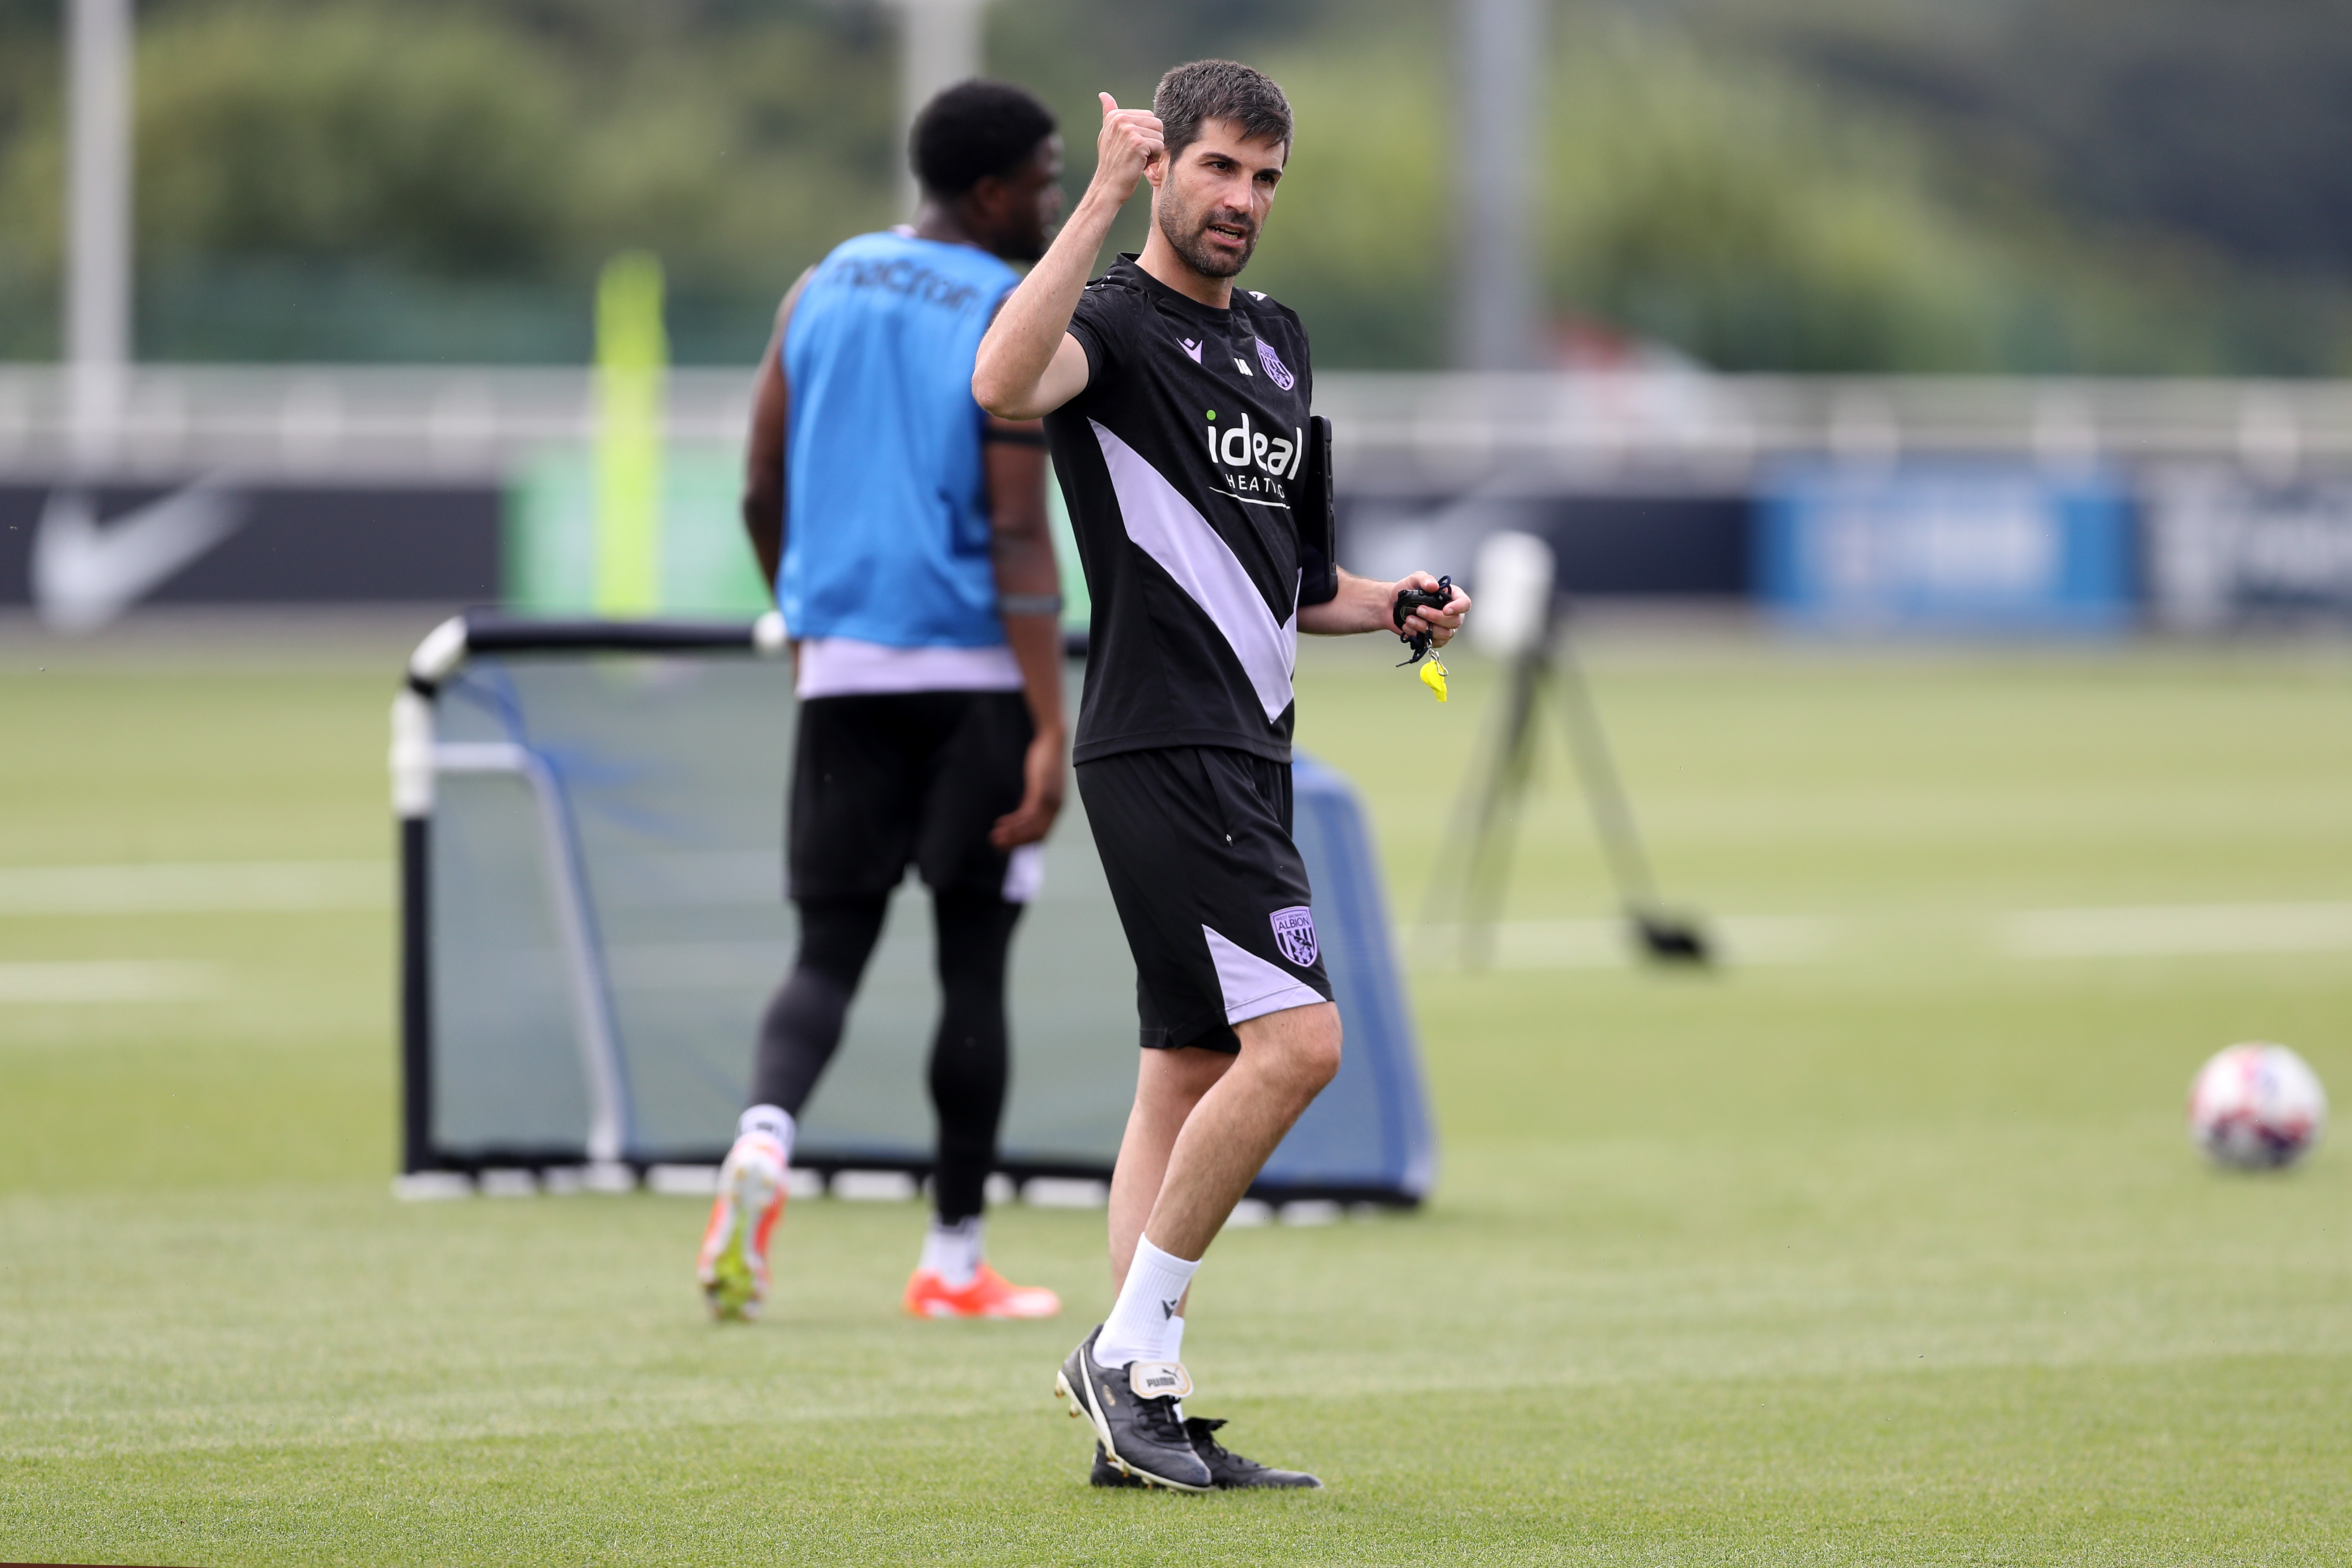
column 1133, row 1412
column 1228, row 1471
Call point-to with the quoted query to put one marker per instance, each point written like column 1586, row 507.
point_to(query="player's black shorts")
column 917, row 776
column 1195, row 841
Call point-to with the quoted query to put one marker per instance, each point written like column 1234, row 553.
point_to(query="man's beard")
column 1192, row 242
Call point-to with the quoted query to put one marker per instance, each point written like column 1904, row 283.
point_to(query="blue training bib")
column 887, row 518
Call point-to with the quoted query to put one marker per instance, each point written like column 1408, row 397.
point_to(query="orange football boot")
column 733, row 1266
column 990, row 1295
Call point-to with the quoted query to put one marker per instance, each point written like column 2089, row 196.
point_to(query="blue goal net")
column 593, row 844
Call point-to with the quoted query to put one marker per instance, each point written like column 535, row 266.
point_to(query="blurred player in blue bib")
column 906, row 532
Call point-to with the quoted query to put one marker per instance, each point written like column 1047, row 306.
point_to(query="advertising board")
column 1946, row 547
column 2227, row 550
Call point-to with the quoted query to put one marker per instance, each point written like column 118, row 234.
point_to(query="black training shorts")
column 1195, row 841
column 917, row 776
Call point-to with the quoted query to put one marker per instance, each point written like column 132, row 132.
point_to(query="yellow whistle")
column 1432, row 675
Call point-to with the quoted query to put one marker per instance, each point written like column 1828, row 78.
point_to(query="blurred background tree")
column 1799, row 184
column 425, row 179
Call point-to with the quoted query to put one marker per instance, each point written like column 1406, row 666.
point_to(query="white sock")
column 1141, row 1322
column 773, row 1119
column 953, row 1251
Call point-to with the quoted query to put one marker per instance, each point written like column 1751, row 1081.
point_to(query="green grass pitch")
column 1890, row 1251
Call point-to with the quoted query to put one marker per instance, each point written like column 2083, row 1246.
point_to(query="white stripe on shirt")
column 1172, row 530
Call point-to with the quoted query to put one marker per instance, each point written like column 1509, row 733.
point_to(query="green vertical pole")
column 632, row 361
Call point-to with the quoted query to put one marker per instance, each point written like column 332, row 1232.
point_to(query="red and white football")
column 2256, row 1107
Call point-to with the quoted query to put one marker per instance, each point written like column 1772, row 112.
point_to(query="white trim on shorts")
column 1252, row 986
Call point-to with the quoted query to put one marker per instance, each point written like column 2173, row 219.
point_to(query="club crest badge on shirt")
column 1294, row 932
column 1277, row 371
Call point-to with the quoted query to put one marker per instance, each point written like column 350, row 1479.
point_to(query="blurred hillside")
column 1800, row 185
column 2205, row 138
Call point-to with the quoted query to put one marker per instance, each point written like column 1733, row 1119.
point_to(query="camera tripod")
column 1487, row 822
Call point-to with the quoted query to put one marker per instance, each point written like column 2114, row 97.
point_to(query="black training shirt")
column 1179, row 462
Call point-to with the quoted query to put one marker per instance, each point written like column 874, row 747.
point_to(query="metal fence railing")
column 1399, row 433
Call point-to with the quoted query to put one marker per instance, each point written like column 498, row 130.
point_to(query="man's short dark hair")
column 1219, row 89
column 973, row 129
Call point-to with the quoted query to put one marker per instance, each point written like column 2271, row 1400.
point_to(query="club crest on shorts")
column 1294, row 932
column 1276, row 370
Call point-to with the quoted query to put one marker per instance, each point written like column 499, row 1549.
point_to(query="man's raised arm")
column 1029, row 364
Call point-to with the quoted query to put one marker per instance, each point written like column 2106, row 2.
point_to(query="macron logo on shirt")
column 1191, row 348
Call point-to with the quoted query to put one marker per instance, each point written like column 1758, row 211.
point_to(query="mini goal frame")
column 592, row 915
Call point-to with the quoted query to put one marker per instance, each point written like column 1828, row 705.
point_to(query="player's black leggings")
column 803, row 1025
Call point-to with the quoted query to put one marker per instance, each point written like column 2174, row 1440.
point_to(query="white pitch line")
column 226, row 888
column 105, row 980
column 2143, row 931
column 1609, row 944
column 2168, row 930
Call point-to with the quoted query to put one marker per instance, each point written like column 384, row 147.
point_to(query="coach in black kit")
column 1179, row 413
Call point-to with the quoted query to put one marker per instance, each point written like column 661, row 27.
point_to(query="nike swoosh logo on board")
column 85, row 576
